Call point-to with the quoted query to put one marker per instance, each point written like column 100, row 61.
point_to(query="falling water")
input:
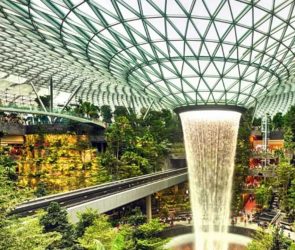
column 210, row 142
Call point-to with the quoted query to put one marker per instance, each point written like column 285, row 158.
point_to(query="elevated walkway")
column 107, row 196
column 54, row 113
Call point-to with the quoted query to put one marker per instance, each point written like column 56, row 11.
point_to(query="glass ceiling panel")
column 170, row 52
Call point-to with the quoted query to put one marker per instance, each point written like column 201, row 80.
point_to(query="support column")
column 148, row 110
column 148, row 202
column 51, row 94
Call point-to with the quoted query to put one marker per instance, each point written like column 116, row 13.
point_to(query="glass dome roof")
column 170, row 52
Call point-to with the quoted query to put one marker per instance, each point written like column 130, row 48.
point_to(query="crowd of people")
column 11, row 118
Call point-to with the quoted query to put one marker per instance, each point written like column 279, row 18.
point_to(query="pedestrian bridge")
column 54, row 113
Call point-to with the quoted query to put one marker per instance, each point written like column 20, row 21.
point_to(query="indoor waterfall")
column 210, row 138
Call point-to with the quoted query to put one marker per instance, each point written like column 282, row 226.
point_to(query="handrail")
column 277, row 216
column 54, row 113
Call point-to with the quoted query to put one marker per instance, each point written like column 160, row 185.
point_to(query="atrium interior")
column 147, row 124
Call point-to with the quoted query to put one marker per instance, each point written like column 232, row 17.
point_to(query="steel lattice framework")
column 170, row 52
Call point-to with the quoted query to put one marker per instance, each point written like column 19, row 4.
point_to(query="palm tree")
column 87, row 109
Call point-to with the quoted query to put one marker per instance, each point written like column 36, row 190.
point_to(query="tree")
column 101, row 231
column 289, row 143
column 106, row 113
column 272, row 239
column 41, row 189
column 262, row 195
column 285, row 173
column 8, row 164
column 243, row 153
column 137, row 218
column 119, row 136
column 86, row 219
column 10, row 193
column 56, row 220
column 278, row 121
column 110, row 162
column 138, row 165
column 291, row 200
column 289, row 120
column 162, row 125
column 243, row 150
column 147, row 147
column 147, row 235
column 87, row 109
column 124, row 239
column 240, row 174
column 120, row 111
column 262, row 241
column 257, row 122
column 26, row 233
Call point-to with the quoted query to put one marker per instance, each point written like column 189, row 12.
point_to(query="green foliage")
column 135, row 153
column 119, row 136
column 87, row 109
column 106, row 113
column 10, row 194
column 150, row 244
column 140, row 164
column 285, row 172
column 289, row 142
column 243, row 151
column 124, row 239
column 240, row 174
column 86, row 219
column 291, row 200
column 56, row 220
column 101, row 231
column 163, row 125
column 263, row 195
column 102, row 173
column 147, row 235
column 262, row 241
column 257, row 122
column 109, row 162
column 128, row 171
column 147, row 146
column 289, row 119
column 120, row 111
column 136, row 218
column 26, row 234
column 41, row 189
column 278, row 121
column 8, row 164
column 149, row 230
column 272, row 239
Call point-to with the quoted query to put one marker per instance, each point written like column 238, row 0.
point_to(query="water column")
column 210, row 138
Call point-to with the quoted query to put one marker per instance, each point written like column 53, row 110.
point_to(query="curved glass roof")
column 170, row 52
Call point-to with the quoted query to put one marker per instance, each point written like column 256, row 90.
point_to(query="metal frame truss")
column 171, row 53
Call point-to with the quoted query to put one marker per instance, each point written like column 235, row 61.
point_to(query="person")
column 189, row 219
column 232, row 222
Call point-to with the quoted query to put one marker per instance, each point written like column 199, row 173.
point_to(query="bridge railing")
column 12, row 107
